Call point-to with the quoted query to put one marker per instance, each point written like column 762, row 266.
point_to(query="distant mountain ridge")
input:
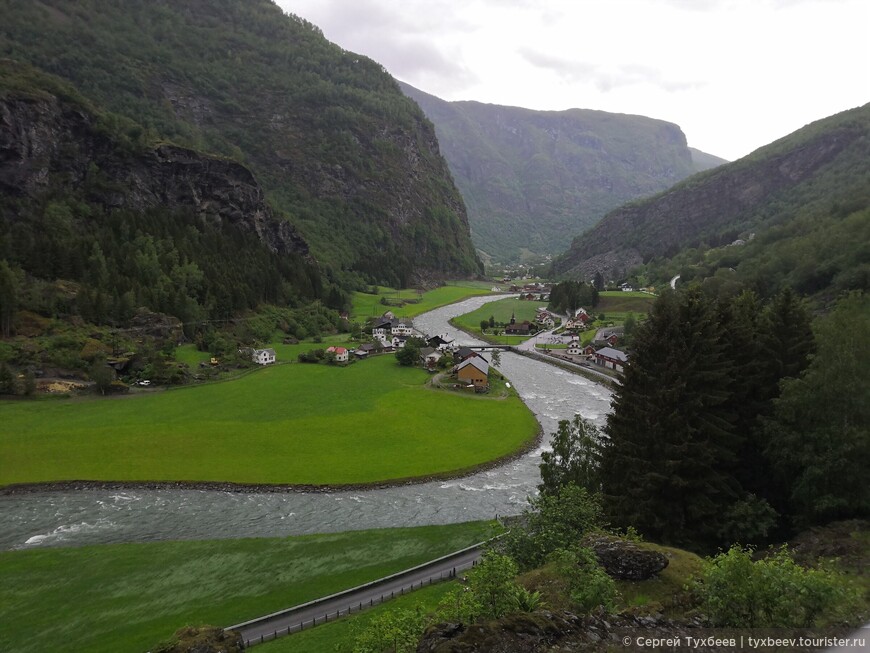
column 823, row 165
column 533, row 179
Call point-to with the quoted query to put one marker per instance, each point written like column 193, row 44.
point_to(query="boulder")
column 624, row 560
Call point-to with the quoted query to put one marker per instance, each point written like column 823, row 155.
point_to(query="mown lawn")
column 302, row 424
column 129, row 597
column 365, row 305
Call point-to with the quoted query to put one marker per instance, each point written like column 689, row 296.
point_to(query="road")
column 331, row 607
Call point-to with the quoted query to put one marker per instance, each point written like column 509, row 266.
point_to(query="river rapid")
column 110, row 516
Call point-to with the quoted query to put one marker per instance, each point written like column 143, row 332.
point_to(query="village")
column 572, row 338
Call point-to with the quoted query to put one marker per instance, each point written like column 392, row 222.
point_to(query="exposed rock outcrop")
column 624, row 560
column 49, row 143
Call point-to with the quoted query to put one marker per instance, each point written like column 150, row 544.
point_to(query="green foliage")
column 8, row 298
column 396, row 631
column 668, row 469
column 588, row 584
column 818, row 437
column 409, row 355
column 552, row 522
column 773, row 592
column 490, row 592
column 7, row 380
column 527, row 601
column 575, row 458
column 567, row 296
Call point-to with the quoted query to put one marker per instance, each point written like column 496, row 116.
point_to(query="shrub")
column 588, row 584
column 772, row 593
column 553, row 522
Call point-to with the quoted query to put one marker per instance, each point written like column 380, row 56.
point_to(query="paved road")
column 331, row 607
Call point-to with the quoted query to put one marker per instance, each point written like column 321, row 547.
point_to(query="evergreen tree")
column 668, row 468
column 819, row 438
column 8, row 298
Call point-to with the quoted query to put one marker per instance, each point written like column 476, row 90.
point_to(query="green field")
column 500, row 311
column 128, row 597
column 365, row 305
column 295, row 424
column 619, row 304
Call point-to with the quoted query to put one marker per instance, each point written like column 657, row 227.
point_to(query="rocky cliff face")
column 351, row 162
column 47, row 144
column 822, row 162
column 533, row 179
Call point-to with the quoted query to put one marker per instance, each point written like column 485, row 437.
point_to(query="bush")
column 588, row 584
column 772, row 593
column 553, row 522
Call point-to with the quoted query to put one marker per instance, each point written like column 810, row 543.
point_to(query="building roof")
column 477, row 362
column 270, row 352
column 340, row 350
column 613, row 354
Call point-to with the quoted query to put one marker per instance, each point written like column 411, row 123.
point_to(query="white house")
column 263, row 356
column 402, row 328
column 574, row 348
column 382, row 329
column 341, row 355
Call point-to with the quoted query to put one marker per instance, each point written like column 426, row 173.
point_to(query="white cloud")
column 734, row 74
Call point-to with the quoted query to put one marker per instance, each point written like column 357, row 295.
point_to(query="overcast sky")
column 734, row 74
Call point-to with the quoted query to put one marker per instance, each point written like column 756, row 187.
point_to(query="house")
column 574, row 348
column 463, row 353
column 341, row 355
column 626, row 287
column 402, row 328
column 474, row 370
column 610, row 336
column 399, row 341
column 611, row 358
column 367, row 348
column 588, row 350
column 430, row 357
column 441, row 343
column 360, row 354
column 263, row 356
column 382, row 329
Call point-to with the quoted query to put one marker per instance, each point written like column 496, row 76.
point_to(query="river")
column 112, row 516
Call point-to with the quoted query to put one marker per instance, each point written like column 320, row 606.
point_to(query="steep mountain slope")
column 160, row 225
column 533, row 179
column 704, row 161
column 818, row 169
column 340, row 151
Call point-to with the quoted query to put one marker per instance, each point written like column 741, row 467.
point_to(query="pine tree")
column 819, row 438
column 668, row 469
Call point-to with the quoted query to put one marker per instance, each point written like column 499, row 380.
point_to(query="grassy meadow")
column 285, row 424
column 365, row 305
column 123, row 598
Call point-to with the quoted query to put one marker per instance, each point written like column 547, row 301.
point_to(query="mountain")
column 814, row 181
column 338, row 150
column 533, row 179
column 703, row 161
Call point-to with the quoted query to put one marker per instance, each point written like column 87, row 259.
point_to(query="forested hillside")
column 340, row 152
column 533, row 179
column 794, row 212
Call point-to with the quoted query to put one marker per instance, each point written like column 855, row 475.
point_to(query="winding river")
column 111, row 516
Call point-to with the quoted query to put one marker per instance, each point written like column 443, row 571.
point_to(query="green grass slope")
column 288, row 424
column 126, row 598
